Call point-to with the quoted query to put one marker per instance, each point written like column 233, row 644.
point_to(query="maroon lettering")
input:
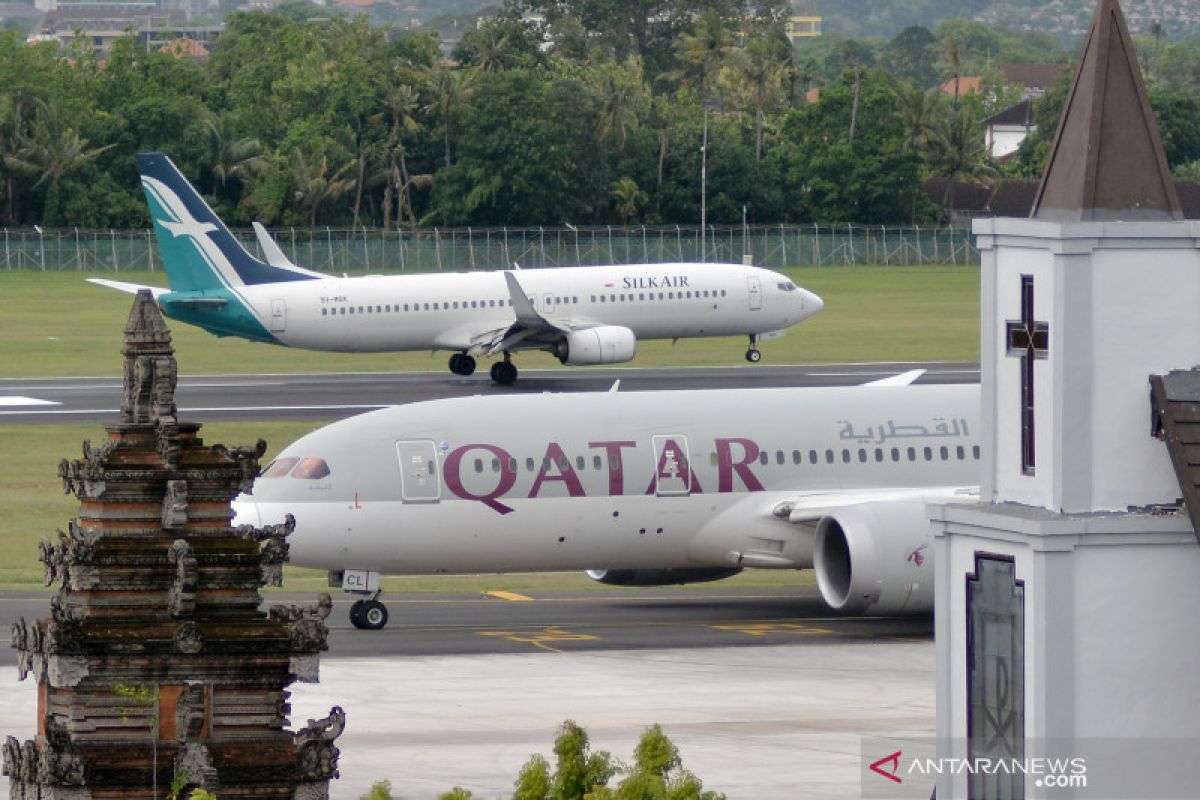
column 616, row 468
column 566, row 473
column 726, row 466
column 507, row 477
column 673, row 466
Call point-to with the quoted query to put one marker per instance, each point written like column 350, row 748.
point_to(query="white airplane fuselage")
column 637, row 480
column 445, row 310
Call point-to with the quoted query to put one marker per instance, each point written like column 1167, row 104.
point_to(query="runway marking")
column 15, row 400
column 540, row 639
column 767, row 628
column 513, row 596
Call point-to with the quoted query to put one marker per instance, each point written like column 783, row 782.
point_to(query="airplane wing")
column 531, row 330
column 130, row 288
column 807, row 508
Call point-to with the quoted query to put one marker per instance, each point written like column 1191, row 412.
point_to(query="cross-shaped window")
column 1028, row 340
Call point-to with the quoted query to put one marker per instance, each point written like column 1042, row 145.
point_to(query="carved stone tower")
column 156, row 664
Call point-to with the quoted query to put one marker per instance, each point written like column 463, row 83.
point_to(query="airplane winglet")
column 522, row 307
column 616, row 385
column 272, row 252
column 903, row 379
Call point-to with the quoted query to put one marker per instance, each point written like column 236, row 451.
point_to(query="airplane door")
column 418, row 471
column 278, row 316
column 754, row 293
column 673, row 474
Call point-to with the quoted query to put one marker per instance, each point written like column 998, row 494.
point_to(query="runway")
column 337, row 395
column 450, row 624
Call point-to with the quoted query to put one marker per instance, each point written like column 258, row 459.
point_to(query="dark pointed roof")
column 1107, row 162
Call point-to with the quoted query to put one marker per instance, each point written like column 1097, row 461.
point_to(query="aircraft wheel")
column 753, row 356
column 456, row 363
column 466, row 365
column 374, row 615
column 356, row 613
column 504, row 373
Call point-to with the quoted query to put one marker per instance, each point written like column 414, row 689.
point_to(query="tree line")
column 552, row 112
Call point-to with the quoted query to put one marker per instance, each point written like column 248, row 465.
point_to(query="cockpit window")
column 787, row 286
column 311, row 469
column 279, row 467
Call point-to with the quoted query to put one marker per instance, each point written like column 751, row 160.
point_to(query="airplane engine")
column 876, row 557
column 604, row 344
column 661, row 577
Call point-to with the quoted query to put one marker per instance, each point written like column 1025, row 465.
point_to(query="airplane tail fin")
column 197, row 249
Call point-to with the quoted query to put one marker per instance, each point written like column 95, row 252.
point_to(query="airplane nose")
column 811, row 303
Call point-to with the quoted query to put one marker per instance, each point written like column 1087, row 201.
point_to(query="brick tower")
column 156, row 665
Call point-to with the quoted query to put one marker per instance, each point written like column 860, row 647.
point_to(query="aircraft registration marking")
column 513, row 596
column 767, row 628
column 543, row 638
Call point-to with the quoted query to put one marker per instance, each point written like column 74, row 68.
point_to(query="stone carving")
column 149, row 388
column 19, row 638
column 188, row 638
column 247, row 458
column 272, row 546
column 316, row 756
column 175, row 505
column 60, row 762
column 189, row 713
column 195, row 761
column 181, row 597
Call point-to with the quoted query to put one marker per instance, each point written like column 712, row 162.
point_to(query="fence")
column 430, row 249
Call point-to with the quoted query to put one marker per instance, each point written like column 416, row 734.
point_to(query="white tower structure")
column 1066, row 600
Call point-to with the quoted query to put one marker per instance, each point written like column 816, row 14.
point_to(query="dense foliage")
column 552, row 112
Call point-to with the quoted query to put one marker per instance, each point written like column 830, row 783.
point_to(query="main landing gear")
column 462, row 364
column 504, row 372
column 369, row 614
column 753, row 355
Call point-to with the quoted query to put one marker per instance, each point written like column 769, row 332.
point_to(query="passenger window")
column 828, row 456
column 579, row 462
column 929, row 454
column 797, row 457
column 279, row 467
column 975, row 452
column 912, row 454
column 780, row 458
column 545, row 465
column 564, row 464
column 958, row 451
column 596, row 462
column 479, row 466
column 862, row 456
column 311, row 469
column 529, row 465
column 324, row 312
column 495, row 465
column 895, row 454
column 512, row 465
column 351, row 309
column 879, row 454
column 945, row 453
column 614, row 463
column 812, row 456
column 764, row 457
column 845, row 456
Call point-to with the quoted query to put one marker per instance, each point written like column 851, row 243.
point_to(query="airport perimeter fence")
column 357, row 250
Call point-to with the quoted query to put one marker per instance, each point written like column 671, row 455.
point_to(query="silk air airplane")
column 582, row 315
column 639, row 488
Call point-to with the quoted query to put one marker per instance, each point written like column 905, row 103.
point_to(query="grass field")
column 56, row 325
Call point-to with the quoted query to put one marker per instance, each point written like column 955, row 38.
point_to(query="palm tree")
column 759, row 81
column 703, row 52
column 231, row 158
column 959, row 153
column 448, row 92
column 916, row 108
column 622, row 95
column 315, row 184
column 402, row 103
column 52, row 150
column 627, row 198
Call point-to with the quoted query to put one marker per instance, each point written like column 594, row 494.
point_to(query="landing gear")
column 462, row 364
column 504, row 372
column 753, row 355
column 369, row 615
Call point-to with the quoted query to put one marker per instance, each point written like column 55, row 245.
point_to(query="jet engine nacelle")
column 661, row 577
column 876, row 557
column 604, row 344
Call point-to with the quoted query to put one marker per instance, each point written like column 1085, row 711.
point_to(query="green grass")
column 56, row 325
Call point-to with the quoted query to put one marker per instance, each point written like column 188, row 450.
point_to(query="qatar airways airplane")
column 583, row 315
column 638, row 488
